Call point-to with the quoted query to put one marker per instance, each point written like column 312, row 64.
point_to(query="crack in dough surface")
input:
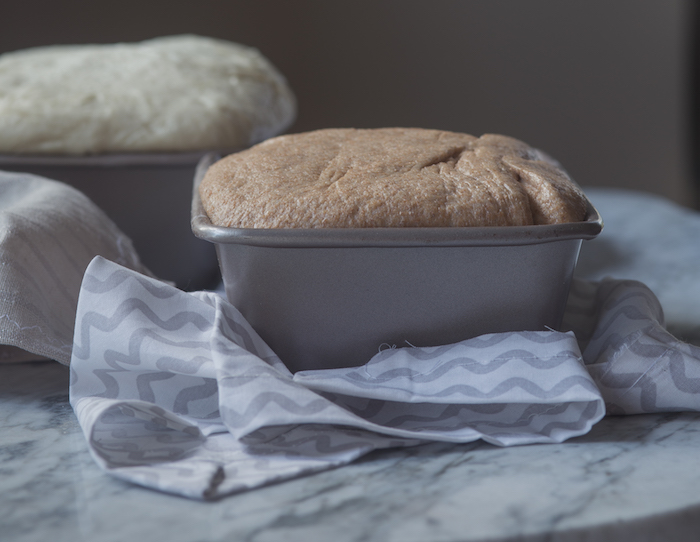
column 388, row 177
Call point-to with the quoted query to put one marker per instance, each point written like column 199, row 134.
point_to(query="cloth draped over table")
column 49, row 233
column 177, row 392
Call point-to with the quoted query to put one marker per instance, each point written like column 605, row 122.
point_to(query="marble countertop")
column 630, row 478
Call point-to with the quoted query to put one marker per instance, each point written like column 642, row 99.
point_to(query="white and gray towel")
column 49, row 233
column 638, row 366
column 176, row 391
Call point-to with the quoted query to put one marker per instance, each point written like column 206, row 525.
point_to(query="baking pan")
column 148, row 196
column 329, row 298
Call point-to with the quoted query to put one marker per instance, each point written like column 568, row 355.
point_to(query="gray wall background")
column 602, row 85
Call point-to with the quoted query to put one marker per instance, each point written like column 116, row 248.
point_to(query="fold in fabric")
column 49, row 233
column 176, row 391
column 638, row 366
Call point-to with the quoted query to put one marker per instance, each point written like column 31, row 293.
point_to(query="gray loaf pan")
column 329, row 298
column 148, row 196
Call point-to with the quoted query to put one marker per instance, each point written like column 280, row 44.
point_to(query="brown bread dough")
column 388, row 177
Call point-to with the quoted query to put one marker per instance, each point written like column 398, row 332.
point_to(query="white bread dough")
column 170, row 94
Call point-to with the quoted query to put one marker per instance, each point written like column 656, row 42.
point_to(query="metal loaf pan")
column 148, row 196
column 328, row 298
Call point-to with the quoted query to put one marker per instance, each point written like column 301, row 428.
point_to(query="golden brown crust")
column 388, row 177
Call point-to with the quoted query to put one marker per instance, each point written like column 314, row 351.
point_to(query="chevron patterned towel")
column 176, row 391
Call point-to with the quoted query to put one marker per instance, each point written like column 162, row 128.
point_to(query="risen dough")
column 179, row 93
column 390, row 177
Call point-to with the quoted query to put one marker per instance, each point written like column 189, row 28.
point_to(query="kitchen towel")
column 175, row 390
column 49, row 233
column 637, row 365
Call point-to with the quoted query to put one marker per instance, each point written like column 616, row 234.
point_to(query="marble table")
column 630, row 478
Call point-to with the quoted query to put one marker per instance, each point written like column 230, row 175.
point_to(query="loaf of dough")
column 170, row 94
column 390, row 177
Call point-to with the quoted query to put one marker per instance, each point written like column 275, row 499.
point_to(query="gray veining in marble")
column 630, row 478
column 626, row 471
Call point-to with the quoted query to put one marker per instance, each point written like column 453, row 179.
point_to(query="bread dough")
column 170, row 94
column 389, row 177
